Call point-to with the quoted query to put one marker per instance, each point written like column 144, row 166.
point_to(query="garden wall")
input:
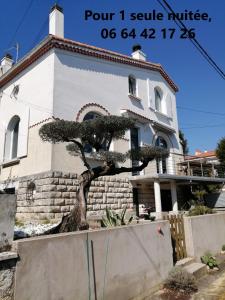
column 119, row 263
column 204, row 233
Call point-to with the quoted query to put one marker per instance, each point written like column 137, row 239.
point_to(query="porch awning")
column 178, row 178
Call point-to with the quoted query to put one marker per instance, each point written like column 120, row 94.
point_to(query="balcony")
column 177, row 166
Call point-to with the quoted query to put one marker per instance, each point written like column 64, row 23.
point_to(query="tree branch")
column 83, row 157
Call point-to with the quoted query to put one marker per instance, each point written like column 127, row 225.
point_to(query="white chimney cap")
column 138, row 54
column 56, row 21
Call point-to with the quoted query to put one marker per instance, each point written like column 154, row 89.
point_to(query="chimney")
column 6, row 63
column 56, row 21
column 138, row 54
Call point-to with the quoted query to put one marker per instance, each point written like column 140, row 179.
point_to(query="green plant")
column 200, row 210
column 223, row 248
column 115, row 219
column 180, row 279
column 209, row 260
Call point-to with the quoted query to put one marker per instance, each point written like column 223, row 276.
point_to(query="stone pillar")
column 174, row 195
column 158, row 204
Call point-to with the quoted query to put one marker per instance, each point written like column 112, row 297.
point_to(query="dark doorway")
column 166, row 200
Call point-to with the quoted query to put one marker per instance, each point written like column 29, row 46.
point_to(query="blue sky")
column 200, row 87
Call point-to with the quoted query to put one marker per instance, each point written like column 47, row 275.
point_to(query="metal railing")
column 175, row 164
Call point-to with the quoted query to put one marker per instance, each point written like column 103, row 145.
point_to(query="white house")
column 65, row 79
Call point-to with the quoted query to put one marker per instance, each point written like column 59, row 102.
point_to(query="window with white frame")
column 158, row 100
column 11, row 139
column 161, row 163
column 132, row 85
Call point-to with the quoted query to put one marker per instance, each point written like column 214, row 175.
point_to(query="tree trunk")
column 76, row 219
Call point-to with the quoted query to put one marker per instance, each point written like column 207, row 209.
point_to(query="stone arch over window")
column 11, row 138
column 91, row 108
column 132, row 84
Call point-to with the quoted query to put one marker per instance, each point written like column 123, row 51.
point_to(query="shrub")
column 115, row 219
column 209, row 260
column 223, row 248
column 179, row 279
column 200, row 210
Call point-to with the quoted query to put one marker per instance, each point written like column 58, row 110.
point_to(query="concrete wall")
column 129, row 261
column 7, row 220
column 204, row 233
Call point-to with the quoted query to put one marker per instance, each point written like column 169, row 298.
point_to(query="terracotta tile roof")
column 205, row 154
column 54, row 42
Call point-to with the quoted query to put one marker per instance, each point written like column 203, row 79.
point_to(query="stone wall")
column 7, row 220
column 7, row 273
column 55, row 192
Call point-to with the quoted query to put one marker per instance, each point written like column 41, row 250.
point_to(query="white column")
column 158, row 204
column 174, row 195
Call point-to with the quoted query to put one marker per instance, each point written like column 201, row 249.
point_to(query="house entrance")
column 166, row 200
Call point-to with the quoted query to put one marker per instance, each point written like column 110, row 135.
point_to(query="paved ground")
column 210, row 287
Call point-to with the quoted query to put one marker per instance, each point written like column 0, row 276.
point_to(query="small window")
column 15, row 91
column 11, row 139
column 158, row 100
column 132, row 85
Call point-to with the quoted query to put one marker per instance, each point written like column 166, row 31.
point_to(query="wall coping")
column 75, row 233
column 8, row 255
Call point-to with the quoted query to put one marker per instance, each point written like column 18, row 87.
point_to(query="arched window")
column 90, row 116
column 158, row 100
column 161, row 163
column 132, row 85
column 11, row 139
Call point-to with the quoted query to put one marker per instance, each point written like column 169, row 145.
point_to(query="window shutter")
column 23, row 133
column 169, row 106
column 151, row 96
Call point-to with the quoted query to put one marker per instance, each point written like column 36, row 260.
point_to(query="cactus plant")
column 113, row 219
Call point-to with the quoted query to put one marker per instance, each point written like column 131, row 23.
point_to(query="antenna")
column 17, row 51
column 16, row 46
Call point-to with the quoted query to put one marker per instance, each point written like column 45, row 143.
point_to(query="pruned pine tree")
column 98, row 135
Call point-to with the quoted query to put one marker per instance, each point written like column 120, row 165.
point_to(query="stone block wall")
column 55, row 192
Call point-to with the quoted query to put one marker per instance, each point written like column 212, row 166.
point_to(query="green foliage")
column 200, row 210
column 183, row 142
column 199, row 194
column 223, row 248
column 209, row 260
column 179, row 279
column 220, row 151
column 98, row 133
column 60, row 131
column 147, row 152
column 109, row 156
column 113, row 219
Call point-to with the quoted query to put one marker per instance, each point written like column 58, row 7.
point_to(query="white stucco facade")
column 64, row 79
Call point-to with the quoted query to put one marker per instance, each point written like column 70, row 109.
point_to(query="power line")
column 194, row 41
column 201, row 111
column 21, row 22
column 42, row 28
column 204, row 126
